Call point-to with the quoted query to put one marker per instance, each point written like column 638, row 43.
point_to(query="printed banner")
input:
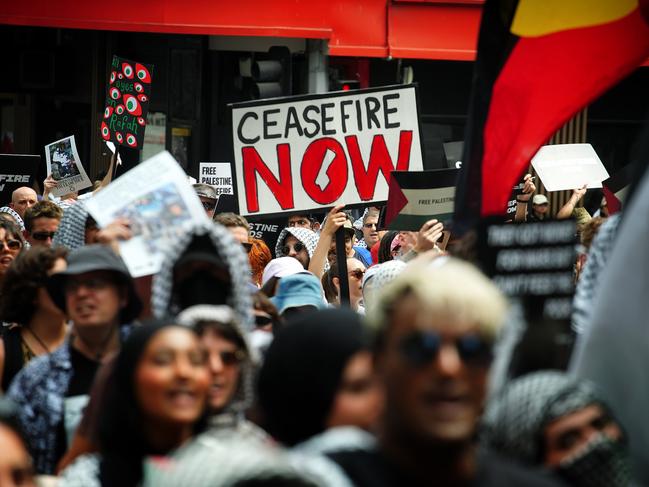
column 127, row 103
column 218, row 175
column 160, row 204
column 64, row 164
column 309, row 152
column 16, row 170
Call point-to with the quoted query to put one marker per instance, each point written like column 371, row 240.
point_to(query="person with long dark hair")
column 40, row 325
column 154, row 402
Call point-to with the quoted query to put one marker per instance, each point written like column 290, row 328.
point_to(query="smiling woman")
column 155, row 401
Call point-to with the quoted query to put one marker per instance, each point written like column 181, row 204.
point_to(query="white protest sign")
column 218, row 175
column 159, row 203
column 569, row 166
column 64, row 164
column 312, row 151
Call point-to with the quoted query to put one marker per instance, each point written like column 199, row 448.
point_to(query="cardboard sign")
column 310, row 152
column 418, row 196
column 160, row 204
column 218, row 175
column 64, row 164
column 16, row 170
column 569, row 166
column 127, row 102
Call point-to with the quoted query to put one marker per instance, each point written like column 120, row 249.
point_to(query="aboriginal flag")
column 539, row 62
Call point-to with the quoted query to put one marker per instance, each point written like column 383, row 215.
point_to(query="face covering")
column 201, row 287
column 604, row 462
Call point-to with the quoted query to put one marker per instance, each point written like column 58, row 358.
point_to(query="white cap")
column 540, row 199
column 281, row 267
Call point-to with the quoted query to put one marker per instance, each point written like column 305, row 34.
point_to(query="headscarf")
column 514, row 420
column 121, row 439
column 303, row 369
column 227, row 250
column 226, row 463
column 308, row 237
column 14, row 214
column 598, row 255
column 71, row 233
column 379, row 276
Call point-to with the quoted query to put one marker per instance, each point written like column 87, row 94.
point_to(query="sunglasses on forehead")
column 420, row 348
column 298, row 247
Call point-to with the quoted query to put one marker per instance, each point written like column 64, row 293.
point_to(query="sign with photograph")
column 160, row 204
column 127, row 102
column 16, row 170
column 569, row 166
column 308, row 152
column 64, row 164
column 218, row 175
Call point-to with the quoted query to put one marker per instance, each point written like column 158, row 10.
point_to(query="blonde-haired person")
column 434, row 328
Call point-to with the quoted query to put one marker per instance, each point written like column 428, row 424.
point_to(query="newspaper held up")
column 159, row 203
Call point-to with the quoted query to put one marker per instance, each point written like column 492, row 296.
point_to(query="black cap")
column 96, row 258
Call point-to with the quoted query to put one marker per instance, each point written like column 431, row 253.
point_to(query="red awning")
column 423, row 29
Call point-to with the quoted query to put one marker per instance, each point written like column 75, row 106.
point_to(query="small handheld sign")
column 127, row 103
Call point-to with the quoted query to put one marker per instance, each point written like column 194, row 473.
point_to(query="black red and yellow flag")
column 539, row 62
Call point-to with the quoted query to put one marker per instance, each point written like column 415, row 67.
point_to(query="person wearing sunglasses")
column 230, row 361
column 12, row 243
column 238, row 226
column 209, row 198
column 41, row 223
column 434, row 328
column 297, row 242
column 355, row 273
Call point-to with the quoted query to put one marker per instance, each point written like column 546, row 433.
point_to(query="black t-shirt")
column 83, row 374
column 373, row 469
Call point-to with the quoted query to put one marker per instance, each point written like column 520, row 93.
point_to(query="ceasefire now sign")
column 309, row 152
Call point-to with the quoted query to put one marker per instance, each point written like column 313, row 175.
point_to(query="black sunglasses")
column 298, row 247
column 43, row 235
column 208, row 205
column 420, row 348
column 261, row 320
column 232, row 358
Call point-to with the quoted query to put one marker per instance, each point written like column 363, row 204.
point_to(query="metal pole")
column 341, row 258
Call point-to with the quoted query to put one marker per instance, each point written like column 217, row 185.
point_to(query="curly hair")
column 24, row 277
column 259, row 258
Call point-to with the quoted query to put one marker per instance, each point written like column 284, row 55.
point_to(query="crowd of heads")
column 291, row 362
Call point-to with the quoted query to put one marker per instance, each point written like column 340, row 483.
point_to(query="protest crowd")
column 236, row 364
column 331, row 310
